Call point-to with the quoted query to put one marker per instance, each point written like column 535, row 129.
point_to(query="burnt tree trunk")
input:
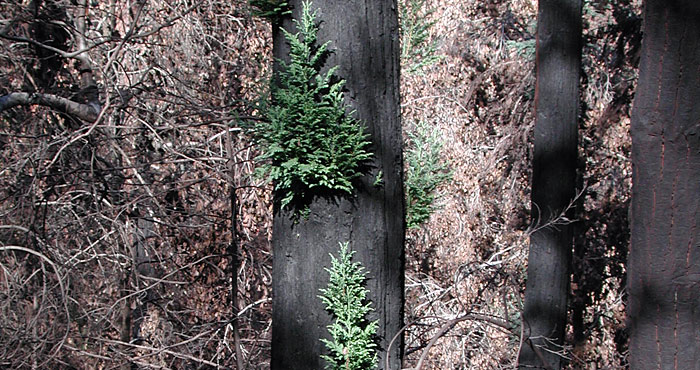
column 365, row 44
column 558, row 63
column 663, row 269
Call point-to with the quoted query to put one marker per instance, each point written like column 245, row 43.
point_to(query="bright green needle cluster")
column 310, row 140
column 352, row 346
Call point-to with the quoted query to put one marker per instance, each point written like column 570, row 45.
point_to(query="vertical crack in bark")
column 679, row 86
column 675, row 329
column 674, row 117
column 670, row 247
column 659, row 74
column 655, row 118
column 658, row 341
column 693, row 229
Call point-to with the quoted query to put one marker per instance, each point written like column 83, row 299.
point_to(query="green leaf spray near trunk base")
column 312, row 144
column 352, row 346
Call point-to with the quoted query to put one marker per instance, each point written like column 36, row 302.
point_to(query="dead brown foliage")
column 470, row 259
column 115, row 234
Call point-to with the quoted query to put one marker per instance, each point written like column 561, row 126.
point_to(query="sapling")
column 352, row 346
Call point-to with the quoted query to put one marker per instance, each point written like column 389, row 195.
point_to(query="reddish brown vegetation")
column 128, row 217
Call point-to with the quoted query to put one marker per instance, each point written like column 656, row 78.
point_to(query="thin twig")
column 63, row 294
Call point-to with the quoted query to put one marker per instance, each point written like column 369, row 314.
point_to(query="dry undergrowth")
column 470, row 258
column 465, row 268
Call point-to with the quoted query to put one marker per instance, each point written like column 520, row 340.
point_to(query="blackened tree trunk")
column 663, row 263
column 364, row 36
column 553, row 181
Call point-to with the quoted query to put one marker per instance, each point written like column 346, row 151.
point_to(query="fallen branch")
column 85, row 112
column 444, row 329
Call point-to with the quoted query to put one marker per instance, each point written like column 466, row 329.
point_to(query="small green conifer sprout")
column 352, row 346
column 310, row 140
column 425, row 172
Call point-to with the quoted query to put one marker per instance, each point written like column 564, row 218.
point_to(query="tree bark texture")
column 663, row 262
column 365, row 44
column 558, row 62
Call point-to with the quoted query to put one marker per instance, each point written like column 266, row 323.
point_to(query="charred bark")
column 364, row 37
column 554, row 164
column 664, row 274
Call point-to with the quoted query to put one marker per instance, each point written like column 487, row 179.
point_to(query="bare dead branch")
column 64, row 297
column 85, row 112
column 451, row 323
column 78, row 54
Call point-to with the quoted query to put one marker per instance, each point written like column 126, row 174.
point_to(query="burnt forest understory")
column 132, row 205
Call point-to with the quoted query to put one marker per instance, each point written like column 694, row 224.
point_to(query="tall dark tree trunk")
column 364, row 36
column 663, row 268
column 553, row 181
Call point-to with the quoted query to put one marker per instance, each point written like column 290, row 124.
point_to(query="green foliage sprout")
column 525, row 49
column 424, row 173
column 352, row 346
column 417, row 49
column 310, row 140
column 270, row 9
